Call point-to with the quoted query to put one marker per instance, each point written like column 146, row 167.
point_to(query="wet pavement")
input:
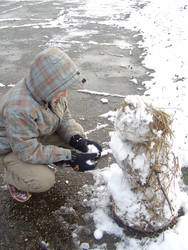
column 110, row 57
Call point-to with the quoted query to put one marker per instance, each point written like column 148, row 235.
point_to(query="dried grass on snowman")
column 144, row 153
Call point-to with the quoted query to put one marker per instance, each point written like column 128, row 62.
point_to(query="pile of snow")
column 133, row 121
column 110, row 181
column 111, row 187
column 163, row 25
column 150, row 171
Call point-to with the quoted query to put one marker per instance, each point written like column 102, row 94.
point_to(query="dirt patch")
column 49, row 217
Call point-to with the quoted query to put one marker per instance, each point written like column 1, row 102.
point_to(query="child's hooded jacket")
column 25, row 114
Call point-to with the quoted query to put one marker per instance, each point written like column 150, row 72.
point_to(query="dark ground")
column 24, row 31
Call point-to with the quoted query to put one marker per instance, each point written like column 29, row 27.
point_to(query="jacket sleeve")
column 22, row 132
column 69, row 127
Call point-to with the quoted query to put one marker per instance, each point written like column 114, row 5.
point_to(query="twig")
column 162, row 189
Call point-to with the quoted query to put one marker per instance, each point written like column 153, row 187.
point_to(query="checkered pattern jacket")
column 25, row 115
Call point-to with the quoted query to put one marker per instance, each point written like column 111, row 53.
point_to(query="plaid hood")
column 51, row 72
column 24, row 118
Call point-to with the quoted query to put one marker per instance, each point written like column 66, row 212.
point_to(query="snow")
column 98, row 93
column 109, row 183
column 44, row 244
column 92, row 149
column 11, row 85
column 4, row 187
column 106, row 152
column 133, row 124
column 104, row 100
column 98, row 234
column 84, row 246
column 109, row 226
column 99, row 126
column 163, row 25
column 135, row 80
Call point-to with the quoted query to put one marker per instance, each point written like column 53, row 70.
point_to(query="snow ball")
column 92, row 149
column 104, row 100
column 44, row 244
column 106, row 152
column 133, row 121
column 98, row 234
column 89, row 162
column 74, row 235
column 84, row 246
column 134, row 80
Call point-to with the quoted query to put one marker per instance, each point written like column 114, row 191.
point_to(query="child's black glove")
column 78, row 142
column 83, row 162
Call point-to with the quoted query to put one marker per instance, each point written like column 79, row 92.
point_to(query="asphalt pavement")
column 111, row 59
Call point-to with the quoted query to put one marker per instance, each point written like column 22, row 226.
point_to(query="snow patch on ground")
column 108, row 182
column 163, row 25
